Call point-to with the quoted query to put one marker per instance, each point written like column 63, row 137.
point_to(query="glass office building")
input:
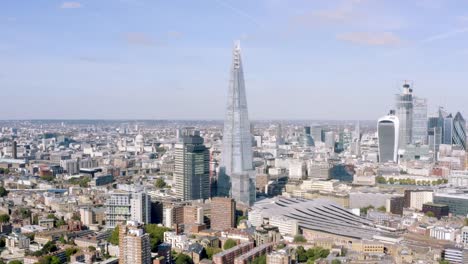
column 237, row 176
column 419, row 120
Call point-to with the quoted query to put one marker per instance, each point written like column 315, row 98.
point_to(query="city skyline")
column 78, row 52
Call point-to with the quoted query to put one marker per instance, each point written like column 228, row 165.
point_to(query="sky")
column 170, row 59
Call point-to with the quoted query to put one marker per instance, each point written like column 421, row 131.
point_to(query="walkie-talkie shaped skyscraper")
column 237, row 176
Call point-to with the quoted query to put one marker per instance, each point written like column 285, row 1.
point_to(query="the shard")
column 236, row 176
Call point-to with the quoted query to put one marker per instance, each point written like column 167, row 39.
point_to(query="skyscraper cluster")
column 409, row 124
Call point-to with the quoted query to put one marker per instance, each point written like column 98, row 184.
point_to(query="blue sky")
column 170, row 59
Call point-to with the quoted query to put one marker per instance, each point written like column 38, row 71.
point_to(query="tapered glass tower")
column 236, row 176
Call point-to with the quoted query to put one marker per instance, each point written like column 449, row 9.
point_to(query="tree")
column 15, row 262
column 260, row 260
column 230, row 243
column 183, row 259
column 4, row 218
column 156, row 234
column 160, row 183
column 240, row 218
column 382, row 209
column 49, row 247
column 114, row 237
column 430, row 214
column 466, row 221
column 60, row 223
column 444, row 262
column 211, row 251
column 55, row 260
column 301, row 254
column 336, row 261
column 380, row 180
column 3, row 191
column 299, row 239
column 365, row 209
column 91, row 248
column 24, row 213
column 70, row 252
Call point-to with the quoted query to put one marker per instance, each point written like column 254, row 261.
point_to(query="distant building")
column 134, row 244
column 229, row 256
column 459, row 131
column 416, row 198
column 457, row 202
column 388, row 134
column 306, row 140
column 419, row 121
column 70, row 166
column 124, row 206
column 395, row 205
column 438, row 210
column 456, row 255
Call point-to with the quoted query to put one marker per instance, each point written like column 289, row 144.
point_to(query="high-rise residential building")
column 419, row 120
column 404, row 112
column 14, row 150
column 223, row 213
column 192, row 166
column 118, row 209
column 123, row 206
column 134, row 244
column 237, row 175
column 140, row 207
column 459, row 131
column 388, row 135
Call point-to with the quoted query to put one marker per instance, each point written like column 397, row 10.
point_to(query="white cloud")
column 371, row 39
column 70, row 5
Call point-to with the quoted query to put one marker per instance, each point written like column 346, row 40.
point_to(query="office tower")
column 123, row 206
column 404, row 113
column 192, row 166
column 71, row 166
column 447, row 130
column 357, row 132
column 434, row 133
column 316, row 132
column 419, row 120
column 237, row 176
column 388, row 135
column 14, row 150
column 223, row 213
column 134, row 244
column 459, row 131
column 140, row 207
column 330, row 139
column 306, row 140
column 279, row 135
